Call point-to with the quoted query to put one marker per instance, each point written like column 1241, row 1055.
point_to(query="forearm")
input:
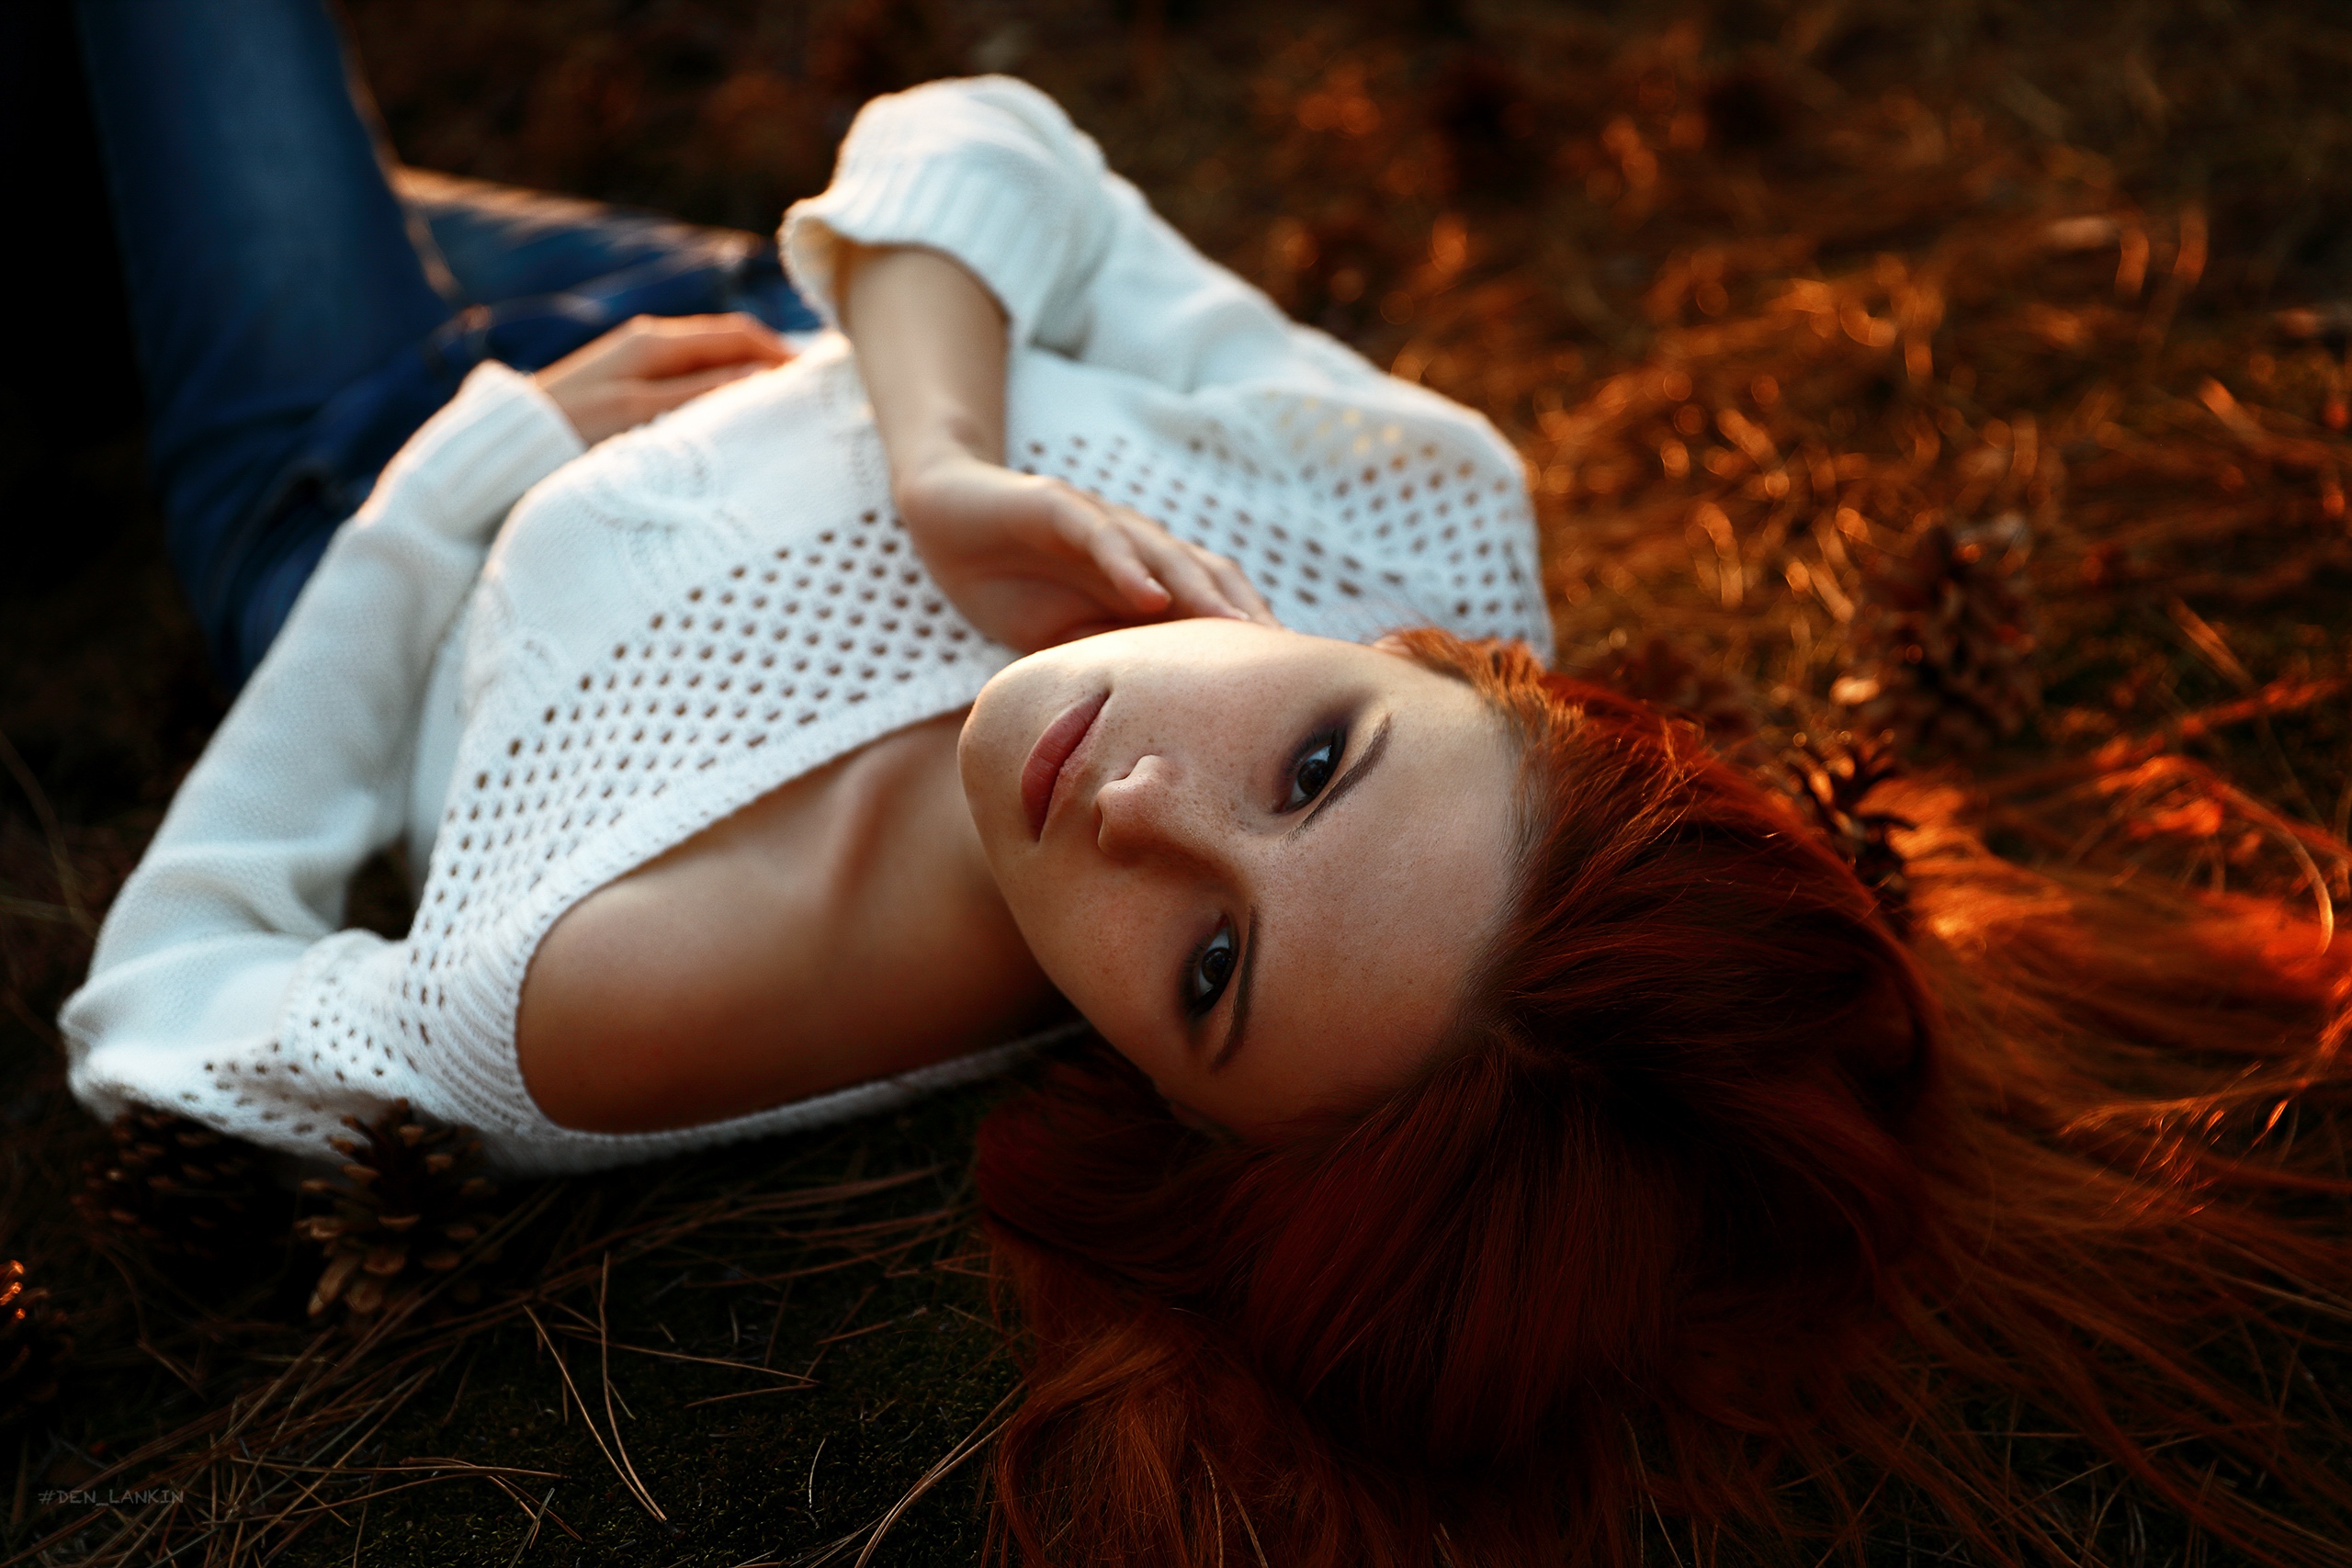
column 1030, row 561
column 929, row 341
column 243, row 888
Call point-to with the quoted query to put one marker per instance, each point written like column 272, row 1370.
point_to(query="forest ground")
column 1764, row 290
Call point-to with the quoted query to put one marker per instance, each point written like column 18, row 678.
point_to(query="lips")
column 1040, row 775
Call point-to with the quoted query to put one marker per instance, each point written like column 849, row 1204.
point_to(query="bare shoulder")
column 839, row 928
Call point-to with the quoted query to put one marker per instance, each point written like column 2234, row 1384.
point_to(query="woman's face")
column 1262, row 864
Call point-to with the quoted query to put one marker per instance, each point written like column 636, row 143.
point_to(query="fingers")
column 1152, row 571
column 657, row 348
column 650, row 365
column 1087, row 524
column 649, row 398
column 1200, row 582
column 1194, row 591
column 1238, row 591
column 1035, row 560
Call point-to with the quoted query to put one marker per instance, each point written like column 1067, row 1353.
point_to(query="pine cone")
column 186, row 1191
column 409, row 1206
column 1946, row 640
column 34, row 1346
column 1662, row 673
column 1833, row 782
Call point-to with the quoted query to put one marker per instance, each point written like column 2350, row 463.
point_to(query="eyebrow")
column 1250, row 940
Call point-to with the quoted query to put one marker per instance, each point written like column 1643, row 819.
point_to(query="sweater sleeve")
column 990, row 171
column 244, row 882
column 1436, row 525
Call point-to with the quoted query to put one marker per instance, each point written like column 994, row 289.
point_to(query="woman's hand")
column 1032, row 561
column 648, row 364
column 1029, row 561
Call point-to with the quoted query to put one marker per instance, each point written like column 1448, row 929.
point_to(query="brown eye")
column 1314, row 770
column 1206, row 975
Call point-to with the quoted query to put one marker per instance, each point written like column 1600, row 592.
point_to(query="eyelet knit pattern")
column 690, row 616
column 1445, row 529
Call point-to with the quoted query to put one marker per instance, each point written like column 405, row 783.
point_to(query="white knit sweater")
column 687, row 616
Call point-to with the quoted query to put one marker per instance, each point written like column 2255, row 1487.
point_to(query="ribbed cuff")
column 499, row 437
column 1001, row 207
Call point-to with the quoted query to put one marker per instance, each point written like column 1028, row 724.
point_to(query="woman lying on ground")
column 1504, row 1121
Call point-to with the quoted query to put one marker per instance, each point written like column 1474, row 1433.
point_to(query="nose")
column 1150, row 811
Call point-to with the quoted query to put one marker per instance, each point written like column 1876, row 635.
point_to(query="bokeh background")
column 1967, row 370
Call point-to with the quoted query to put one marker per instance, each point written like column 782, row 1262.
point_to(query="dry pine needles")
column 1868, row 415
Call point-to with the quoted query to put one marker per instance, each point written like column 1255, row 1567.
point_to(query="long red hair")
column 1722, row 1183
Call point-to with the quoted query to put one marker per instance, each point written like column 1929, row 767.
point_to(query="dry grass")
column 288, row 1429
column 1766, row 294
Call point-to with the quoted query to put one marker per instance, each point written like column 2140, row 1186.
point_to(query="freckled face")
column 1262, row 864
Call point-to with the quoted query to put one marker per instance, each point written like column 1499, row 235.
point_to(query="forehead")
column 1373, row 919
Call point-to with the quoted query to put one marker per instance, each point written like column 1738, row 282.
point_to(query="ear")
column 1390, row 642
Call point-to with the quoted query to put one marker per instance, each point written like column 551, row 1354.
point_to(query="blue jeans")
column 300, row 306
